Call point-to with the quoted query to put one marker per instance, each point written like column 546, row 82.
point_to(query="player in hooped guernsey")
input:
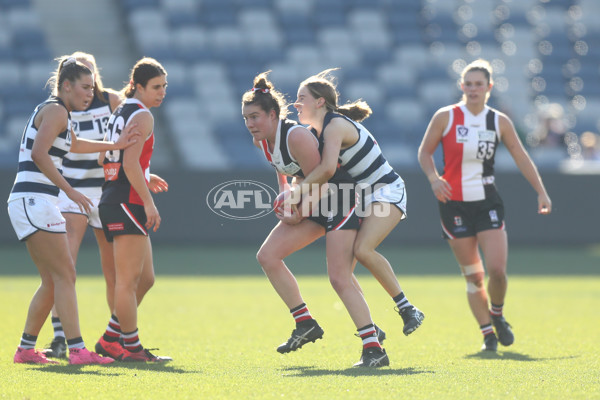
column 471, row 140
column 82, row 170
column 471, row 209
column 282, row 160
column 346, row 144
column 293, row 150
column 34, row 213
column 30, row 180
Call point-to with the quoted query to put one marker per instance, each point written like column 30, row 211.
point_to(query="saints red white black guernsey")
column 469, row 143
column 116, row 188
column 281, row 158
column 30, row 180
column 364, row 160
column 81, row 170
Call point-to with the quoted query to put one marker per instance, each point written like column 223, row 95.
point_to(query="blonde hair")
column 68, row 69
column 90, row 59
column 478, row 65
column 323, row 85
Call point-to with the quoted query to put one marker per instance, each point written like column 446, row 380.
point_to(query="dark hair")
column 264, row 94
column 68, row 69
column 323, row 85
column 143, row 70
column 482, row 66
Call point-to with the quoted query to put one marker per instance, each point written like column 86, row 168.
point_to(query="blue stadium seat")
column 383, row 47
column 132, row 5
column 6, row 4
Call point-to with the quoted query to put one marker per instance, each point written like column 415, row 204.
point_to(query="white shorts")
column 35, row 213
column 66, row 205
column 393, row 193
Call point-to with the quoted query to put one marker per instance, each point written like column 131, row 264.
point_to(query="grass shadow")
column 111, row 369
column 312, row 371
column 66, row 369
column 512, row 356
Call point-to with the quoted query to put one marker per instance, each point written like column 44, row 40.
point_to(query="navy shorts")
column 466, row 218
column 337, row 212
column 122, row 219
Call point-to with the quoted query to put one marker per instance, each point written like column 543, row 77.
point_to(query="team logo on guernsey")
column 487, row 136
column 241, row 199
column 111, row 171
column 462, row 134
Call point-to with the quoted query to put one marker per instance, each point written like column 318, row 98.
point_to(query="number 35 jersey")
column 469, row 143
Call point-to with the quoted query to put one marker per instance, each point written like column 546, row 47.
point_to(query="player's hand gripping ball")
column 278, row 203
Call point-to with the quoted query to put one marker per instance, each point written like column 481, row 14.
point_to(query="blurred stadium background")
column 402, row 56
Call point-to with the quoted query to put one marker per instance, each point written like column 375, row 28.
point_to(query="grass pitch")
column 222, row 334
column 222, row 331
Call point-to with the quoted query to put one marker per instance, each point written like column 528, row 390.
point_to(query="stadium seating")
column 24, row 70
column 401, row 56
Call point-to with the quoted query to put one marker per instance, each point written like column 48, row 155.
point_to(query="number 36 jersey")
column 117, row 188
column 469, row 143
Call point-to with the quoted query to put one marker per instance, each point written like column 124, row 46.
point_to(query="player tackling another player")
column 294, row 151
column 332, row 148
column 471, row 211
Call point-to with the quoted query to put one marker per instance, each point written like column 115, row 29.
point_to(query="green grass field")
column 221, row 321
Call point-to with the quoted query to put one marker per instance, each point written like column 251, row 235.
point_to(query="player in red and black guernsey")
column 294, row 151
column 471, row 210
column 127, row 210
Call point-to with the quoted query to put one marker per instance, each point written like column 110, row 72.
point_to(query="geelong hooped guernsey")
column 116, row 188
column 30, row 180
column 469, row 143
column 82, row 170
column 281, row 159
column 364, row 160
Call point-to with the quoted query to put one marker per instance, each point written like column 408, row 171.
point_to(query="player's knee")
column 474, row 275
column 146, row 283
column 473, row 269
column 262, row 256
column 64, row 276
column 267, row 259
column 474, row 287
column 362, row 253
column 339, row 282
column 497, row 272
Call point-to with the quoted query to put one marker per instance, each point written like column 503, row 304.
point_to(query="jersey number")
column 101, row 124
column 114, row 132
column 485, row 150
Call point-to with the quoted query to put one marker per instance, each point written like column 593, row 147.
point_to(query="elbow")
column 423, row 155
column 329, row 172
column 36, row 156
